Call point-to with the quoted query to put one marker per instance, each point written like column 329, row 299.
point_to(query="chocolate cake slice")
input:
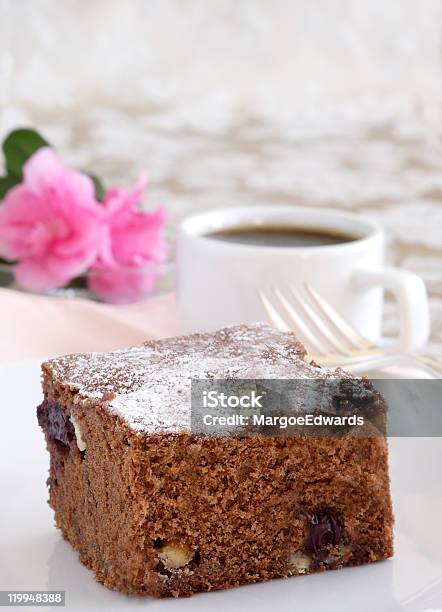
column 155, row 509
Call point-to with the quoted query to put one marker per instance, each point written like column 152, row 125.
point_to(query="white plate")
column 34, row 556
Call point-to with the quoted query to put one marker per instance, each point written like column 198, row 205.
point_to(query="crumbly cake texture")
column 154, row 510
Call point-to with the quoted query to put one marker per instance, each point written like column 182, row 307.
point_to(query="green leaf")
column 18, row 147
column 99, row 187
column 79, row 282
column 6, row 183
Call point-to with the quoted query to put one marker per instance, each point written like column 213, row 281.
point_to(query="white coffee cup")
column 218, row 281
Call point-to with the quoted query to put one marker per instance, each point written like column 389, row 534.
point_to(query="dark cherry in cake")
column 153, row 509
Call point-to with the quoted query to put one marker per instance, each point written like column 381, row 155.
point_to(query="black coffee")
column 281, row 236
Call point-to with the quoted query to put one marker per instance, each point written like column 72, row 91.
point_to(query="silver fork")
column 330, row 339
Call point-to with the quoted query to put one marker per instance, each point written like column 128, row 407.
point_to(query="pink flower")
column 127, row 266
column 51, row 224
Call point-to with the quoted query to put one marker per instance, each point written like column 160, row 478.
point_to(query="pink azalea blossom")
column 50, row 224
column 127, row 266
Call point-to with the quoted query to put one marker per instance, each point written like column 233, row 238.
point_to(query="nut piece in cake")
column 300, row 561
column 77, row 431
column 174, row 555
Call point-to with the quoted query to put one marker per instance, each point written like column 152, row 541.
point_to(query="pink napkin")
column 36, row 326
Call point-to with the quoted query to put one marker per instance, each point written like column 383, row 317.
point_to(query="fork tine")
column 300, row 327
column 334, row 345
column 432, row 362
column 273, row 314
column 342, row 326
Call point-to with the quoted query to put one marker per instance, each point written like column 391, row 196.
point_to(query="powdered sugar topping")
column 149, row 386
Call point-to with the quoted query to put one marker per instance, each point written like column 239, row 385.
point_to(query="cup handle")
column 411, row 295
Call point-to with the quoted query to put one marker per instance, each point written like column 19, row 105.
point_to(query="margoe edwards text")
column 328, row 407
column 260, row 420
column 287, row 407
column 253, row 401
